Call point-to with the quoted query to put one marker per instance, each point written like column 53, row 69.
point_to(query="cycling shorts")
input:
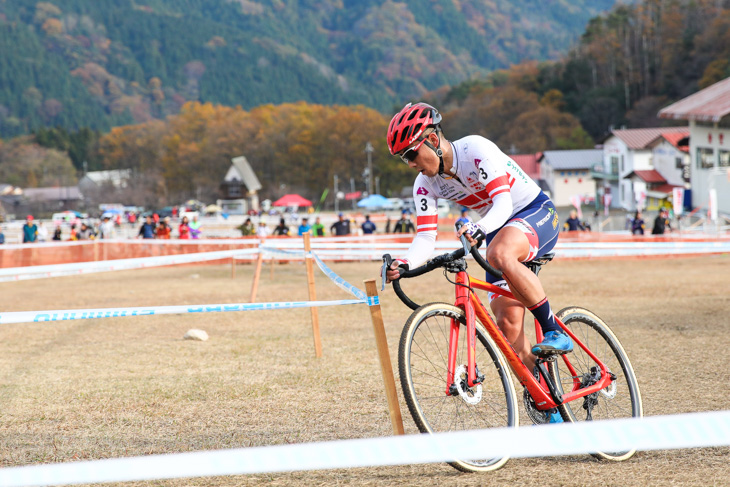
column 539, row 221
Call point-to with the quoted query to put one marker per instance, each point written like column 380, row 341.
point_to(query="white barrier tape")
column 341, row 283
column 88, row 314
column 653, row 433
column 56, row 270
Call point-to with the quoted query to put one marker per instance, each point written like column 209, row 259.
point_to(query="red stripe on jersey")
column 500, row 181
column 426, row 219
column 500, row 191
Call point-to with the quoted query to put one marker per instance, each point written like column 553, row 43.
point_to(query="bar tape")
column 653, row 433
column 87, row 314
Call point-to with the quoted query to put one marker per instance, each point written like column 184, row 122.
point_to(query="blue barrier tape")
column 340, row 282
column 86, row 314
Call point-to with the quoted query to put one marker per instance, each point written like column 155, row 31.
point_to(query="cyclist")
column 518, row 220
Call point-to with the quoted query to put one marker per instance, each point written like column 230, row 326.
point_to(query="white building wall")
column 717, row 177
column 571, row 182
column 614, row 148
column 665, row 157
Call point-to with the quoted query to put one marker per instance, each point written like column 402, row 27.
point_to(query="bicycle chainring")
column 535, row 415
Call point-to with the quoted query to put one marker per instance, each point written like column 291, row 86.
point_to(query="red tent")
column 292, row 200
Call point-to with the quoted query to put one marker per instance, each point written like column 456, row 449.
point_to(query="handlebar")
column 438, row 261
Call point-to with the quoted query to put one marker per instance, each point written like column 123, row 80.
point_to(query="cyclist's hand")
column 392, row 274
column 473, row 233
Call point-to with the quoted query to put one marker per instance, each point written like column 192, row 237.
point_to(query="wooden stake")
column 385, row 366
column 256, row 276
column 233, row 267
column 271, row 268
column 312, row 295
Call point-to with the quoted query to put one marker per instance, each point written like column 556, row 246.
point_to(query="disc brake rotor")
column 470, row 395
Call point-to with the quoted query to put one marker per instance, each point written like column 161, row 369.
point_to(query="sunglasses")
column 410, row 154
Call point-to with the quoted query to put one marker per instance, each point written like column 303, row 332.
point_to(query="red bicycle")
column 453, row 362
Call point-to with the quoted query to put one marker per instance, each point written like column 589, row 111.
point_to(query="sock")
column 544, row 315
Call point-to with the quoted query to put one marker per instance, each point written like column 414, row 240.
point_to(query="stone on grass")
column 195, row 334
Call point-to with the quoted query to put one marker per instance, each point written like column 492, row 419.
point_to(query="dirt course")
column 131, row 386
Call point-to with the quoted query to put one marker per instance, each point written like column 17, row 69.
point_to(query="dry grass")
column 132, row 386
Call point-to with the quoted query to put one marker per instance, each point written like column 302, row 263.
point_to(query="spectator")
column 73, row 232
column 85, row 232
column 57, row 233
column 573, row 224
column 281, row 228
column 2, row 236
column 163, row 229
column 304, row 227
column 183, row 229
column 388, row 223
column 262, row 230
column 341, row 226
column 247, row 228
column 42, row 233
column 404, row 225
column 637, row 224
column 464, row 219
column 147, row 230
column 30, row 230
column 195, row 227
column 368, row 227
column 318, row 228
column 106, row 229
column 661, row 223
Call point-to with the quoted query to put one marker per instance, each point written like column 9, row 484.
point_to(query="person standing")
column 661, row 223
column 247, row 228
column 195, row 227
column 318, row 228
column 183, row 229
column 2, row 236
column 637, row 224
column 281, row 229
column 341, row 226
column 30, row 230
column 573, row 224
column 42, row 232
column 404, row 225
column 147, row 230
column 368, row 227
column 85, row 233
column 57, row 233
column 304, row 227
column 163, row 229
column 464, row 219
column 106, row 229
column 262, row 230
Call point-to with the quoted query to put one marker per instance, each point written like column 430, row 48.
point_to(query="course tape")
column 56, row 270
column 340, row 282
column 87, row 314
column 653, row 433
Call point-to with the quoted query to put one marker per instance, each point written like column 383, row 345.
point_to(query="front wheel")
column 423, row 367
column 576, row 370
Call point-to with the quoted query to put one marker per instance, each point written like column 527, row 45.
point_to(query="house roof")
column 665, row 188
column 572, row 159
column 117, row 177
column 677, row 139
column 640, row 138
column 648, row 176
column 529, row 164
column 243, row 168
column 708, row 105
column 61, row 193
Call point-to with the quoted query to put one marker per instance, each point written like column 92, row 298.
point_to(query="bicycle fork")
column 462, row 301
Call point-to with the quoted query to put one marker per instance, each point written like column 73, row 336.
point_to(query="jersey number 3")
column 424, row 204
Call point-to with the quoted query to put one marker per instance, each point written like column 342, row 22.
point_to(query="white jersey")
column 483, row 178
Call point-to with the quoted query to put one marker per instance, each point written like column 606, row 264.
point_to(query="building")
column 116, row 178
column 708, row 113
column 625, row 152
column 567, row 174
column 239, row 187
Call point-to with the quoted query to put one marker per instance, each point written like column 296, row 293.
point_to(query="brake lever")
column 464, row 242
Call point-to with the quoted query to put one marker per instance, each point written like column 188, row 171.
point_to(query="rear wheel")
column 620, row 399
column 423, row 366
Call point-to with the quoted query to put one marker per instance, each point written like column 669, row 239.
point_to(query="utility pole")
column 337, row 197
column 369, row 151
column 352, row 190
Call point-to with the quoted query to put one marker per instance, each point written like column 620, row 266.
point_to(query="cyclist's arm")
column 426, row 224
column 494, row 177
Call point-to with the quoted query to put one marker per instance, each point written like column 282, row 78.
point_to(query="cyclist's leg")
column 510, row 316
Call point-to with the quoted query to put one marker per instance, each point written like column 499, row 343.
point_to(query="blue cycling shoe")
column 555, row 342
column 554, row 416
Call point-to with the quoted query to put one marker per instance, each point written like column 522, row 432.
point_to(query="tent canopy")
column 292, row 200
column 375, row 201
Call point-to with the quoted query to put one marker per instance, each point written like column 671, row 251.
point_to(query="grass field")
column 131, row 386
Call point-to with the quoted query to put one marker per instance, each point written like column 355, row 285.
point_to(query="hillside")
column 75, row 63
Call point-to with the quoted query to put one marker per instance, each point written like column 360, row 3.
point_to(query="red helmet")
column 408, row 125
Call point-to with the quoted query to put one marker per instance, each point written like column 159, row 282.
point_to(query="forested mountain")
column 102, row 63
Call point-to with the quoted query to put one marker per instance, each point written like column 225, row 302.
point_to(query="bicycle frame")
column 473, row 308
